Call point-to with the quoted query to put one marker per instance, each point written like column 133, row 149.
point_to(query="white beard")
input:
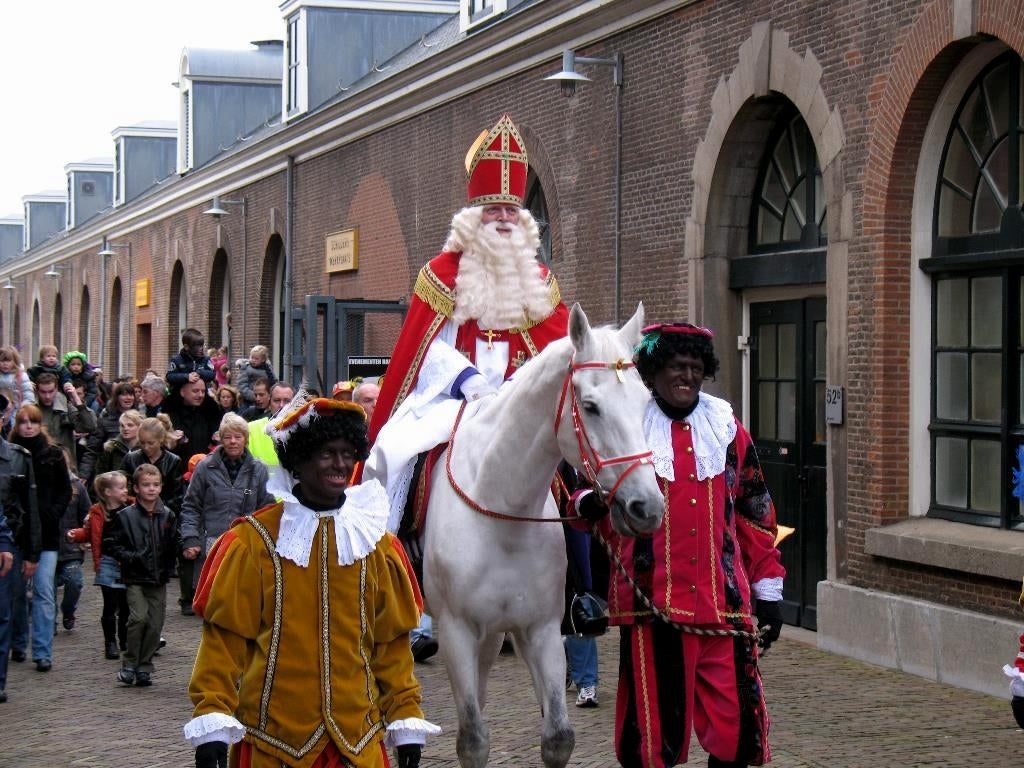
column 499, row 281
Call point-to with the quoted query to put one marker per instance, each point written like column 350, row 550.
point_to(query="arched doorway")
column 219, row 333
column 84, row 323
column 764, row 282
column 58, row 321
column 272, row 306
column 36, row 330
column 116, row 333
column 177, row 307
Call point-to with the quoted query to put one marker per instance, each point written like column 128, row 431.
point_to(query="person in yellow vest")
column 307, row 607
column 260, row 444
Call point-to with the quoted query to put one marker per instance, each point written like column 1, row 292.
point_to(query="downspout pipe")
column 289, row 226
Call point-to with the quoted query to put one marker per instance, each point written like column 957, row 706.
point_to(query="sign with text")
column 833, row 404
column 341, row 250
column 368, row 367
column 142, row 292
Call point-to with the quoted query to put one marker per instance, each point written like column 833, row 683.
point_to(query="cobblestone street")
column 827, row 710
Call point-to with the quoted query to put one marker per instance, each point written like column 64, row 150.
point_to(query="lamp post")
column 217, row 211
column 55, row 272
column 106, row 252
column 568, row 78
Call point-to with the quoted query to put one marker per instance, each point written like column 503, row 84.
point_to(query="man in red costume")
column 698, row 590
column 480, row 309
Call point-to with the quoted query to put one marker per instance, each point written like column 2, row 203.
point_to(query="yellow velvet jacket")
column 302, row 655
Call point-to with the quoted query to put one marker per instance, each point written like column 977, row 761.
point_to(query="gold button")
column 693, row 587
column 693, row 502
column 693, row 476
column 686, row 427
column 693, row 531
column 689, row 449
column 693, row 561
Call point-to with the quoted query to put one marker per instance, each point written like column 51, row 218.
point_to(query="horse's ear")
column 630, row 332
column 579, row 326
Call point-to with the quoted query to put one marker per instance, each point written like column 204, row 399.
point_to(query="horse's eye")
column 591, row 407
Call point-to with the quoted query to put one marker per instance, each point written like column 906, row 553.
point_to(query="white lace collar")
column 712, row 426
column 358, row 524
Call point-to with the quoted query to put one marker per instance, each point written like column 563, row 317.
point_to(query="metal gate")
column 328, row 337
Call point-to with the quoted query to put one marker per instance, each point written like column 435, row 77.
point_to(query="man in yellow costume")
column 307, row 607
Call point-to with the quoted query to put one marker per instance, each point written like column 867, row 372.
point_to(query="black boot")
column 714, row 762
column 1017, row 705
column 109, row 639
column 111, row 651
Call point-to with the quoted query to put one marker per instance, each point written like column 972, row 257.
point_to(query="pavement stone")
column 827, row 710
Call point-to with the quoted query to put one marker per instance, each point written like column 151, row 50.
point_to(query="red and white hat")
column 496, row 166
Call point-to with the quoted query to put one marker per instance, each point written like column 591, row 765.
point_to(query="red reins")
column 592, row 462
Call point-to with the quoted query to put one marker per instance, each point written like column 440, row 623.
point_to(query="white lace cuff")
column 411, row 730
column 215, row 726
column 769, row 590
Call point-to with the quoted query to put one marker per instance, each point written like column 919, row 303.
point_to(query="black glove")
column 212, row 754
column 769, row 622
column 409, row 755
column 1017, row 705
column 591, row 508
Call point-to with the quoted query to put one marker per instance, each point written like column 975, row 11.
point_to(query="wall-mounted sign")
column 341, row 250
column 142, row 292
column 833, row 404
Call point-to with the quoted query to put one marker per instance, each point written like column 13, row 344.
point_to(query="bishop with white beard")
column 480, row 309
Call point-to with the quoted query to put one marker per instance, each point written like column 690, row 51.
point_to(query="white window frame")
column 291, row 107
column 922, row 221
column 473, row 13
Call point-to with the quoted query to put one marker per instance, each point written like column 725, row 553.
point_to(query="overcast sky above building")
column 73, row 70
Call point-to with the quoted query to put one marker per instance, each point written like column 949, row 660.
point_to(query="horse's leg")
column 489, row 649
column 541, row 649
column 461, row 655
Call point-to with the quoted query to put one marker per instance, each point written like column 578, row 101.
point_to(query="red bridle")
column 591, row 466
column 592, row 462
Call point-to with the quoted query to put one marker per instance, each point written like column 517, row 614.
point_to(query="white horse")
column 487, row 573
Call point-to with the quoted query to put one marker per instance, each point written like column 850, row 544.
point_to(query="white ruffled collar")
column 712, row 427
column 358, row 524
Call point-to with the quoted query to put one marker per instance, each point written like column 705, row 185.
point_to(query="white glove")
column 475, row 387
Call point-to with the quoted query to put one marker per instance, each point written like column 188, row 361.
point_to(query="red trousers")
column 671, row 681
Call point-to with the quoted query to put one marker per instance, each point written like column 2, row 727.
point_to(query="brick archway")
column 902, row 106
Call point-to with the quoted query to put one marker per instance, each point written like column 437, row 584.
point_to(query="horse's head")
column 601, row 433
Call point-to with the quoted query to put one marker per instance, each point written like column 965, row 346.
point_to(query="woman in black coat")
column 53, row 494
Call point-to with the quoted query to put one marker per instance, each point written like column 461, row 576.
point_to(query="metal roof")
column 265, row 62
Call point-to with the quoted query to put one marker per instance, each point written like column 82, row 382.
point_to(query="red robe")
column 433, row 303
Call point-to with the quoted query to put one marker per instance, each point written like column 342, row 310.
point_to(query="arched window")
column 790, row 210
column 977, row 409
column 537, row 205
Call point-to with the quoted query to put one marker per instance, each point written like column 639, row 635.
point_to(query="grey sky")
column 73, row 70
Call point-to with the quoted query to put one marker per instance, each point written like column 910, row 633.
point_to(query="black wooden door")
column 788, row 425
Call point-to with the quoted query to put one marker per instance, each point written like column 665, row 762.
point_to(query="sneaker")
column 18, row 656
column 143, row 680
column 69, row 622
column 111, row 651
column 587, row 696
column 43, row 665
column 423, row 648
column 126, row 677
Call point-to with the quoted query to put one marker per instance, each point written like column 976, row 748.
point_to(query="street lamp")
column 107, row 252
column 217, row 211
column 567, row 80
